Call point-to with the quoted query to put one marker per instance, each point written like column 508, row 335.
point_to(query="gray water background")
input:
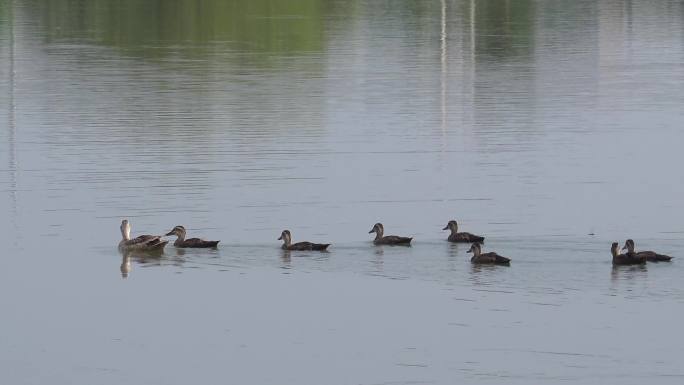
column 535, row 123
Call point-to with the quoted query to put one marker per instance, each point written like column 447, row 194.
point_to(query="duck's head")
column 629, row 246
column 125, row 229
column 475, row 249
column 451, row 225
column 377, row 228
column 614, row 249
column 286, row 237
column 178, row 230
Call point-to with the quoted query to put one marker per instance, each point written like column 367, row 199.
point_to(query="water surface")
column 534, row 123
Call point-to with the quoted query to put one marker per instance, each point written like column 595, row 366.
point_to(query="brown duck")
column 286, row 237
column 379, row 230
column 650, row 256
column 151, row 243
column 457, row 237
column 625, row 259
column 486, row 258
column 179, row 231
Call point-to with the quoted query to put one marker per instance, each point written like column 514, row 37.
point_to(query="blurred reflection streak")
column 479, row 274
column 379, row 262
column 150, row 258
column 452, row 252
column 627, row 273
column 125, row 267
column 443, row 57
column 12, row 124
column 452, row 249
column 286, row 260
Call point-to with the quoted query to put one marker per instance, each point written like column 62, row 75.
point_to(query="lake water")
column 552, row 127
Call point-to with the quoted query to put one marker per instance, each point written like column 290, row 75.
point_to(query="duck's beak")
column 624, row 247
column 446, row 227
column 170, row 233
column 469, row 251
column 280, row 238
column 372, row 230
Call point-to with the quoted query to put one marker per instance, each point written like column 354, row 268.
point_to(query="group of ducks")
column 632, row 257
column 151, row 243
column 156, row 242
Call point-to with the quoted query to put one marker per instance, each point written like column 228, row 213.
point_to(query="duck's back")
column 465, row 238
column 652, row 256
column 306, row 246
column 196, row 243
column 144, row 242
column 491, row 258
column 393, row 240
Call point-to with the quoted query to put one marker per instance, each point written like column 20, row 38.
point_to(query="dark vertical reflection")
column 158, row 28
column 505, row 29
column 444, row 59
column 503, row 43
column 12, row 120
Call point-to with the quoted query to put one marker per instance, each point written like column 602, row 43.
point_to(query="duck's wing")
column 621, row 259
column 301, row 246
column 483, row 258
column 636, row 258
column 199, row 243
column 631, row 259
column 501, row 260
column 148, row 240
column 652, row 256
column 319, row 246
column 472, row 238
column 466, row 238
column 396, row 240
column 309, row 246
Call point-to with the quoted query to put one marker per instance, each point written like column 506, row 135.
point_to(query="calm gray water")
column 535, row 123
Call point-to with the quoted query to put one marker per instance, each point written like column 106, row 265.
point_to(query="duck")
column 379, row 230
column 486, row 258
column 625, row 259
column 651, row 256
column 179, row 231
column 141, row 243
column 457, row 237
column 286, row 237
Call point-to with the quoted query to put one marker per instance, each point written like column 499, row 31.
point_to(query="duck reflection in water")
column 148, row 259
column 286, row 259
column 140, row 257
column 628, row 273
column 483, row 274
column 125, row 267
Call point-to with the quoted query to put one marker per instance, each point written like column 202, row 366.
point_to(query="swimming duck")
column 650, row 256
column 286, row 237
column 141, row 243
column 457, row 237
column 625, row 259
column 489, row 258
column 179, row 231
column 379, row 230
